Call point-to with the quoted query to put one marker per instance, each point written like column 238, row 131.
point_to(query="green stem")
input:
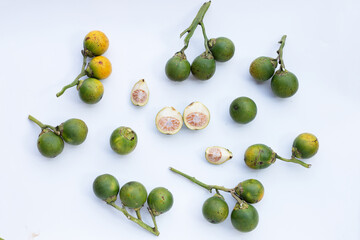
column 153, row 219
column 135, row 220
column 43, row 126
column 240, row 201
column 206, row 186
column 206, row 40
column 280, row 52
column 76, row 80
column 294, row 160
column 197, row 21
column 138, row 213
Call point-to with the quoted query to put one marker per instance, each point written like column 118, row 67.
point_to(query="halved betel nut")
column 217, row 155
column 168, row 120
column 196, row 116
column 140, row 93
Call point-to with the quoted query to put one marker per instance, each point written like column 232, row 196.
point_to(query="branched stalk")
column 138, row 214
column 139, row 222
column 76, row 80
column 294, row 160
column 43, row 126
column 206, row 40
column 280, row 52
column 197, row 21
column 153, row 219
column 206, row 186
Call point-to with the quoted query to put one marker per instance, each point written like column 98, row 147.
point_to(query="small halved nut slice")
column 140, row 93
column 217, row 155
column 196, row 116
column 168, row 120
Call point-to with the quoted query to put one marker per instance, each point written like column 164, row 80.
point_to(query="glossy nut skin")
column 49, row 144
column 177, row 68
column 244, row 218
column 284, row 84
column 259, row 156
column 243, row 110
column 222, row 48
column 160, row 200
column 133, row 195
column 106, row 187
column 123, row 140
column 263, row 68
column 203, row 67
column 251, row 190
column 91, row 90
column 99, row 67
column 96, row 43
column 305, row 146
column 215, row 209
column 73, row 131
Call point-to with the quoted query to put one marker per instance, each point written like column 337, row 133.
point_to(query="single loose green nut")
column 160, row 200
column 133, row 195
column 106, row 187
column 123, row 140
column 243, row 110
column 244, row 217
column 215, row 209
column 95, row 43
column 73, row 131
column 284, row 84
column 99, row 67
column 251, row 190
column 305, row 146
column 177, row 68
column 259, row 156
column 222, row 48
column 263, row 68
column 203, row 67
column 91, row 90
column 49, row 144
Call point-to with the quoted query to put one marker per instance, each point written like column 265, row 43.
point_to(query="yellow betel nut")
column 96, row 42
column 99, row 67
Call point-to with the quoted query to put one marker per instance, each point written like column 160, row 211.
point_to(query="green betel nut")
column 222, row 48
column 133, row 195
column 284, row 84
column 263, row 68
column 49, row 144
column 243, row 110
column 251, row 190
column 244, row 217
column 123, row 140
column 203, row 67
column 259, row 156
column 91, row 90
column 160, row 200
column 305, row 146
column 106, row 187
column 73, row 131
column 177, row 68
column 215, row 209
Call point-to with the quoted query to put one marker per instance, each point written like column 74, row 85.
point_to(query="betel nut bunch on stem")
column 91, row 89
column 203, row 67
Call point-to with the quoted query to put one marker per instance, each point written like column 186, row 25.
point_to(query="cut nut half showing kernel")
column 140, row 93
column 217, row 155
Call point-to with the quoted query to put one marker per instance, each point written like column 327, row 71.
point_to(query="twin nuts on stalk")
column 91, row 90
column 244, row 217
column 284, row 84
column 259, row 156
column 133, row 195
column 51, row 139
column 203, row 67
column 169, row 121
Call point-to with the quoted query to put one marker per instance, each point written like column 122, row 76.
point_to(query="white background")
column 40, row 52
